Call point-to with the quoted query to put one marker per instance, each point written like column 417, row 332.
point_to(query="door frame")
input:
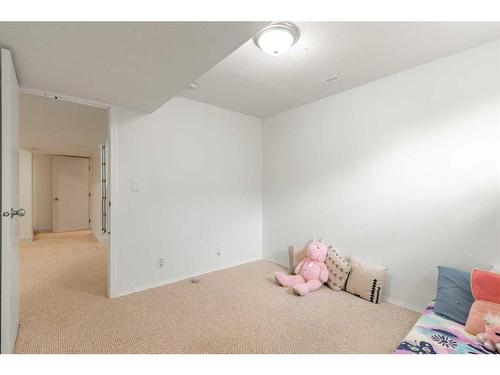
column 112, row 161
column 112, row 177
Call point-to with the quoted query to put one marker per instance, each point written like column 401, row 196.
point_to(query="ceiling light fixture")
column 277, row 38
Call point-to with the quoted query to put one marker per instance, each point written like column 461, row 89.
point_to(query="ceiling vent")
column 326, row 81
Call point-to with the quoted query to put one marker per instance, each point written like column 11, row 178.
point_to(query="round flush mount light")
column 277, row 38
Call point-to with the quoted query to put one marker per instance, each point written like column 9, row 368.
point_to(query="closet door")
column 70, row 193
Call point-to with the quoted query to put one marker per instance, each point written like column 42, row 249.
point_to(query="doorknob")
column 19, row 212
column 56, row 199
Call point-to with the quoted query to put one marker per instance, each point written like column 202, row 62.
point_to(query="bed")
column 433, row 334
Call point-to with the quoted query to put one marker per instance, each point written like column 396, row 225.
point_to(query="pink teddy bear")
column 311, row 272
column 491, row 337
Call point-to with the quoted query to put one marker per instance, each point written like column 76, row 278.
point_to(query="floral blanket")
column 433, row 334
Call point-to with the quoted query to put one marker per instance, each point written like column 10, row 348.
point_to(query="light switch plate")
column 134, row 186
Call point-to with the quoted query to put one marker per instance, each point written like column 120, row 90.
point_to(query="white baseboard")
column 100, row 238
column 47, row 230
column 278, row 263
column 408, row 306
column 176, row 279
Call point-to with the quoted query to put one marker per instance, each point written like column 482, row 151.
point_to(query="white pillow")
column 366, row 281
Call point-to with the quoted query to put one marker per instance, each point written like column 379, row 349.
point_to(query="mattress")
column 433, row 334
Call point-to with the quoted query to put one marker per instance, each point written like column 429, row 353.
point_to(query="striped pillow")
column 366, row 281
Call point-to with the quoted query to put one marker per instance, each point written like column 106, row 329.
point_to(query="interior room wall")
column 189, row 182
column 401, row 172
column 25, row 195
column 42, row 192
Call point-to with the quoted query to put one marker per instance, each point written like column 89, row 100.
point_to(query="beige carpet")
column 64, row 309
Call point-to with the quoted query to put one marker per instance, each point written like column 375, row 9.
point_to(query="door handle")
column 56, row 199
column 19, row 212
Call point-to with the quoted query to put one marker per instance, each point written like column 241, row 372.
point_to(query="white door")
column 10, row 209
column 70, row 189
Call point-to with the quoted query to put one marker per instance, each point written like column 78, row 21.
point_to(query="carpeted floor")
column 64, row 309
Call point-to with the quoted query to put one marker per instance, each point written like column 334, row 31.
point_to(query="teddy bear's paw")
column 301, row 289
column 280, row 278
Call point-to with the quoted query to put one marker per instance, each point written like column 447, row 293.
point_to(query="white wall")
column 42, row 192
column 401, row 172
column 199, row 174
column 25, row 195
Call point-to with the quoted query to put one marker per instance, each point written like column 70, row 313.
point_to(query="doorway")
column 68, row 255
column 40, row 126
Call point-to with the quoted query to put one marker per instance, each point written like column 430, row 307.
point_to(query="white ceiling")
column 60, row 127
column 131, row 64
column 252, row 82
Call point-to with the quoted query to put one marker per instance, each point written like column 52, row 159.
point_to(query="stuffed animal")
column 491, row 337
column 310, row 274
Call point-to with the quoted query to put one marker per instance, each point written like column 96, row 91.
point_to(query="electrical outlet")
column 160, row 263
